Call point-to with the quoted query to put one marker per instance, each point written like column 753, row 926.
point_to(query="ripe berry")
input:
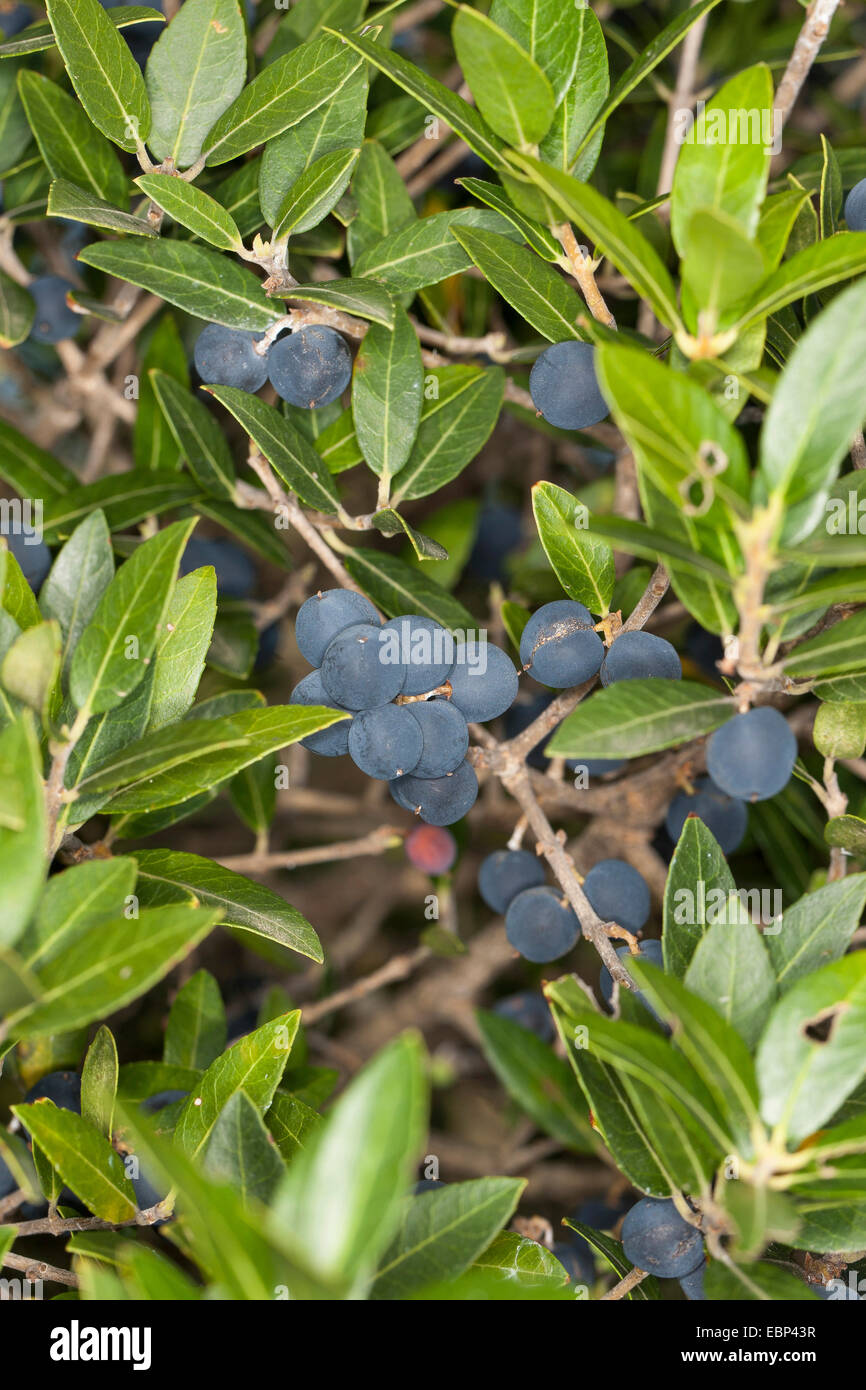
column 648, row 950
column 425, row 648
column 692, row 1284
column 158, row 1102
column 438, row 800
column 529, row 1009
column 431, row 848
column 753, row 755
column 564, row 387
column 54, row 319
column 63, row 1087
column 444, row 734
column 311, row 367
column 656, row 1238
column 235, row 571
column 724, row 816
column 227, row 357
column 855, row 207
column 385, row 742
column 507, row 872
column 354, row 673
column 541, row 925
column 618, row 893
column 35, row 560
column 638, row 655
column 14, row 20
column 332, row 742
column 483, row 681
column 326, row 614
column 576, row 1260
column 559, row 644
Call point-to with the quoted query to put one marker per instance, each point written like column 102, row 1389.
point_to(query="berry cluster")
column 560, row 647
column 411, row 691
column 539, row 922
column 310, row 367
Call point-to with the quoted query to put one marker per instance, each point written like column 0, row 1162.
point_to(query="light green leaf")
column 816, row 930
column 512, row 92
column 193, row 209
column 582, row 563
column 292, row 1123
column 23, row 863
column 182, row 646
column 425, row 252
column 102, row 70
column 30, row 668
column 197, row 435
column 698, row 881
column 80, row 205
column 457, row 419
column 315, row 193
column 73, row 900
column 99, row 1082
column 77, row 580
column 386, row 395
column 549, row 32
column 83, row 1157
column 195, row 71
column 195, row 1034
column 731, row 970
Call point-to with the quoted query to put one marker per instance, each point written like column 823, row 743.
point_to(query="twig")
column 632, row 1279
column 398, row 968
column 581, row 269
column 38, row 1269
column 377, row 842
column 295, row 516
column 815, row 28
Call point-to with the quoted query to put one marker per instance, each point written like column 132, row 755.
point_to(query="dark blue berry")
column 14, row 20
column 54, row 319
column 354, row 672
column 438, row 800
column 63, row 1087
column 228, row 357
column 483, row 681
column 753, row 755
column 724, row 816
column 564, row 387
column 656, row 1238
column 385, row 742
column 329, row 743
column 326, row 614
column 855, row 207
column 444, row 735
column 425, row 1185
column 507, row 872
column 599, row 1214
column 310, row 367
column 158, row 1102
column 705, row 649
column 530, row 1010
column 560, row 646
column 541, row 925
column 576, row 1260
column 692, row 1284
column 618, row 893
column 425, row 648
column 500, row 530
column 648, row 950
column 638, row 656
column 34, row 558
column 235, row 571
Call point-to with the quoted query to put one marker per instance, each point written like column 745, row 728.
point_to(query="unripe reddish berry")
column 431, row 848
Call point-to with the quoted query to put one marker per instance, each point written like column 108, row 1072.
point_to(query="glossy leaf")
column 387, row 383
column 582, row 563
column 83, row 1157
column 190, row 207
column 529, row 285
column 639, row 716
column 511, row 91
column 194, row 73
column 195, row 1034
column 101, row 68
column 197, row 435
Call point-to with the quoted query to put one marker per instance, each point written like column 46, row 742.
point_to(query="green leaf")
column 139, row 1080
column 718, row 169
column 99, row 1082
column 174, row 763
column 292, row 1124
column 281, row 96
column 540, row 1082
column 720, row 265
column 778, row 215
column 582, row 563
column 193, row 209
column 442, row 1233
column 364, row 299
column 239, row 1151
column 67, row 141
column 23, row 863
column 182, row 646
column 39, row 37
column 292, row 457
column 74, row 900
column 83, row 1157
column 340, row 1201
column 383, row 202
column 252, row 529
column 731, row 970
column 614, row 235
column 14, row 126
column 510, row 89
column 611, row 1250
column 109, row 965
column 197, row 435
column 386, row 395
column 397, row 588
column 17, row 312
column 536, row 236
column 816, row 929
column 756, row 1283
column 253, row 1066
column 433, row 97
column 16, row 595
column 169, row 875
column 195, row 1034
column 338, row 125
column 106, row 665
column 194, row 73
column 641, row 716
column 811, row 1055
column 806, row 272
column 698, row 882
column 391, row 523
column 839, row 730
column 838, row 649
column 529, row 285
column 315, row 193
column 457, row 419
column 550, row 33
column 30, row 470
column 125, row 498
column 847, row 832
column 818, row 406
column 425, row 252
column 152, row 443
column 106, row 77
column 198, row 281
column 653, row 543
column 80, row 205
column 30, row 668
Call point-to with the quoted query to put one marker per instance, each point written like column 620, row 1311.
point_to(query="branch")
column 632, row 1279
column 581, row 269
column 815, row 28
column 398, row 968
column 377, row 842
